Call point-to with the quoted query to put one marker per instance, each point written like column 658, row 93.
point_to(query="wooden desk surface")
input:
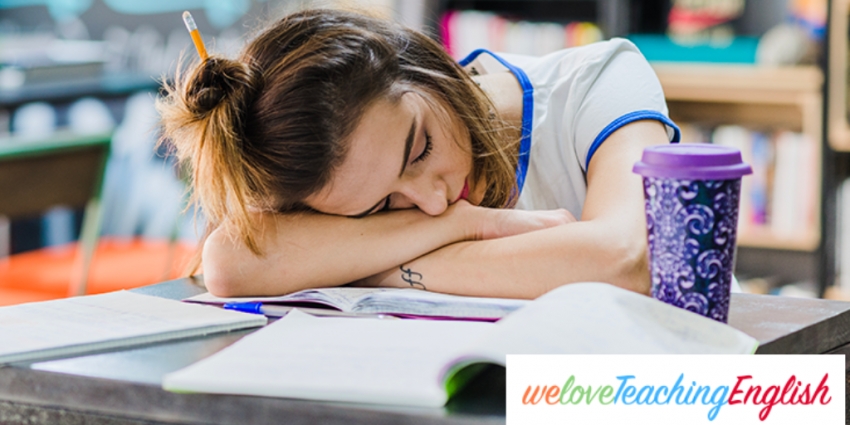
column 123, row 386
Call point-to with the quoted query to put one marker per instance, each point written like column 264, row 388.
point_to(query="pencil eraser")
column 189, row 21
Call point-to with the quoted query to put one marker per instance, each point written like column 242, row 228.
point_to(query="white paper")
column 343, row 359
column 404, row 361
column 598, row 318
column 75, row 325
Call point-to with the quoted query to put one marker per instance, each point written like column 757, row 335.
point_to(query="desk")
column 124, row 386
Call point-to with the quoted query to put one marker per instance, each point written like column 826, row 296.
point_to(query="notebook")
column 73, row 326
column 422, row 363
column 402, row 302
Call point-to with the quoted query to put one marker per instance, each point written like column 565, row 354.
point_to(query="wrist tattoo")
column 413, row 278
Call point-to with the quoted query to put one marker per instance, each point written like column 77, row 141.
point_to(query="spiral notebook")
column 74, row 326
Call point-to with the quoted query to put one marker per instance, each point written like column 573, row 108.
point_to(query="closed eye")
column 425, row 152
column 429, row 146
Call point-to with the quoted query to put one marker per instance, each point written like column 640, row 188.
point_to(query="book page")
column 401, row 301
column 598, row 318
column 423, row 303
column 341, row 298
column 383, row 361
column 76, row 325
column 409, row 362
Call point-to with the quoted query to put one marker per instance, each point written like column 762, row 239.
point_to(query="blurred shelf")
column 739, row 83
column 838, row 127
column 610, row 15
column 107, row 85
column 762, row 237
column 518, row 1
column 786, row 98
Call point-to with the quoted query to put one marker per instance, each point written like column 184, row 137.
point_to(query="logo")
column 675, row 389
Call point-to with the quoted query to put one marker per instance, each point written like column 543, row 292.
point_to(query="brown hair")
column 266, row 130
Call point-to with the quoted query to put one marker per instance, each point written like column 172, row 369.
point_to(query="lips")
column 464, row 193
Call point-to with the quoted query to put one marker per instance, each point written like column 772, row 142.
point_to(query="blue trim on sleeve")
column 527, row 112
column 627, row 119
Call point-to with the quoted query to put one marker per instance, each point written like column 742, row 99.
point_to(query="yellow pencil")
column 196, row 35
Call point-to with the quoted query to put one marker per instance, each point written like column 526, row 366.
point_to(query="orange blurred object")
column 45, row 274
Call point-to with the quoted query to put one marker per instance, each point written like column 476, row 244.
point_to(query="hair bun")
column 214, row 81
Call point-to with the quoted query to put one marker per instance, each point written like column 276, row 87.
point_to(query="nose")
column 429, row 197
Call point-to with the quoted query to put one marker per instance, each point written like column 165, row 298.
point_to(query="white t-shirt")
column 573, row 100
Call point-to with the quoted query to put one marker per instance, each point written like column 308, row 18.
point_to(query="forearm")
column 311, row 250
column 531, row 264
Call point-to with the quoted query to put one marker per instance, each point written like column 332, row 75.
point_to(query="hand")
column 499, row 223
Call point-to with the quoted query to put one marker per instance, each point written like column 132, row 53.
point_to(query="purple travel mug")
column 691, row 194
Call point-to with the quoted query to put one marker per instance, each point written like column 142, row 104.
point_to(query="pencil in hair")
column 196, row 35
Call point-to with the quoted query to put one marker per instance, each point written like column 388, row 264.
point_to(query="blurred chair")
column 117, row 263
column 68, row 169
column 37, row 174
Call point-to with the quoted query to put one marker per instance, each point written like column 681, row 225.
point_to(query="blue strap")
column 527, row 112
column 626, row 119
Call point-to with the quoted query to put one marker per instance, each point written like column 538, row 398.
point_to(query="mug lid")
column 692, row 161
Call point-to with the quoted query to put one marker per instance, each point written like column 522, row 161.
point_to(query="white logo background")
column 664, row 370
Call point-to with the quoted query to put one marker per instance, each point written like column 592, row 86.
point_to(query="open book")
column 415, row 362
column 402, row 302
column 73, row 326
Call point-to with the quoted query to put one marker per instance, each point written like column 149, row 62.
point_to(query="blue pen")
column 280, row 311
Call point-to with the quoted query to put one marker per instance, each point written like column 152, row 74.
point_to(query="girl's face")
column 401, row 155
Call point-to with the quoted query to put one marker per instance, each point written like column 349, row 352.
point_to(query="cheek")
column 457, row 157
column 464, row 155
column 462, row 144
column 458, row 148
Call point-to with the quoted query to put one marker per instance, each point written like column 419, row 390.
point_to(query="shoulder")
column 591, row 57
column 482, row 61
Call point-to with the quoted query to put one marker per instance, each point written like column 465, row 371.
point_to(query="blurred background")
column 88, row 204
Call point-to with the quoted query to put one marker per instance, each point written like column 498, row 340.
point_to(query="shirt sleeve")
column 622, row 88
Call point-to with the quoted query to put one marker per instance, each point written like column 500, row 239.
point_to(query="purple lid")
column 692, row 161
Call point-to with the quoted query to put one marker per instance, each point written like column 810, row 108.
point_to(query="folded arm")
column 308, row 250
column 608, row 244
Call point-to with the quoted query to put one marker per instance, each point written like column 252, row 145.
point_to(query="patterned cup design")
column 691, row 225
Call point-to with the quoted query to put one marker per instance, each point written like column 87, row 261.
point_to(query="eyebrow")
column 408, row 145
